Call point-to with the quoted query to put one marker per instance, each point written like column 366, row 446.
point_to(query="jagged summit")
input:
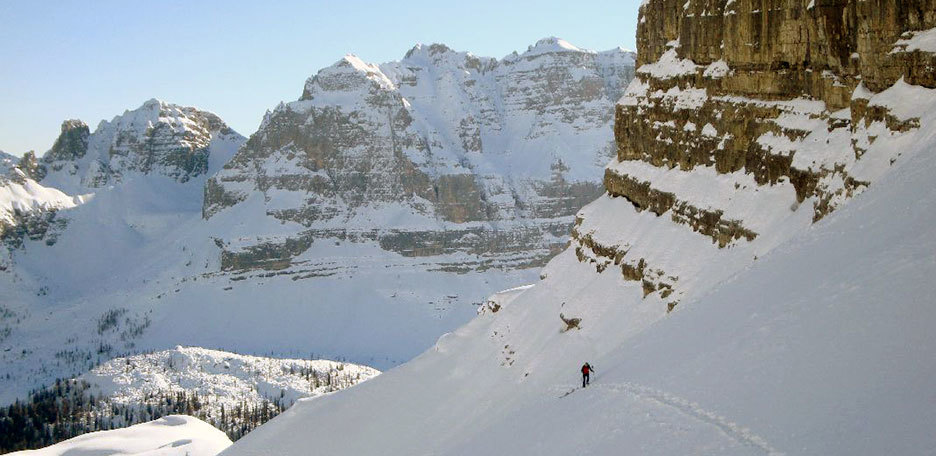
column 428, row 50
column 350, row 74
column 158, row 137
column 152, row 103
column 432, row 112
column 552, row 44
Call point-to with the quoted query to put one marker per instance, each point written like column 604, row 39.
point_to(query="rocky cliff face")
column 72, row 143
column 440, row 152
column 27, row 208
column 158, row 138
column 745, row 115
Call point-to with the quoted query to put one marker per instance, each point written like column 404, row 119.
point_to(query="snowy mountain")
column 755, row 280
column 175, row 435
column 219, row 379
column 470, row 184
column 158, row 138
column 441, row 152
column 138, row 179
column 25, row 204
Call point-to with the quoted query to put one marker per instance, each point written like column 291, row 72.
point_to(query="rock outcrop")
column 745, row 114
column 27, row 208
column 72, row 143
column 158, row 138
column 442, row 151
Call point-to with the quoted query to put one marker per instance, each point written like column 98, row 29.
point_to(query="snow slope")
column 822, row 347
column 21, row 196
column 174, row 435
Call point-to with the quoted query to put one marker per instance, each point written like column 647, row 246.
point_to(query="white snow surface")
column 811, row 339
column 223, row 378
column 669, row 66
column 173, row 435
column 522, row 124
column 717, row 69
column 23, row 196
column 924, row 41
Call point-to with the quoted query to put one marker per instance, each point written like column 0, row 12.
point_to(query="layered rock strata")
column 440, row 152
column 158, row 138
column 745, row 113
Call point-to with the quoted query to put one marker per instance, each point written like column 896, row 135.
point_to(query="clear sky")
column 92, row 60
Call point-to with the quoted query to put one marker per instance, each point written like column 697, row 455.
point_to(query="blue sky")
column 94, row 59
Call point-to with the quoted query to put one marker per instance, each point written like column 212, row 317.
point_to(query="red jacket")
column 586, row 369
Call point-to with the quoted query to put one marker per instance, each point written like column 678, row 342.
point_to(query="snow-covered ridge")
column 234, row 393
column 158, row 138
column 439, row 58
column 22, row 198
column 223, row 378
column 174, row 435
column 505, row 129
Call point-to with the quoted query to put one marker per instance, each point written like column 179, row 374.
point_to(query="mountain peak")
column 153, row 102
column 354, row 62
column 618, row 50
column 350, row 73
column 428, row 50
column 553, row 44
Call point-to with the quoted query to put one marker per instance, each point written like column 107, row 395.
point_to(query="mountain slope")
column 23, row 200
column 441, row 152
column 157, row 138
column 727, row 285
column 821, row 347
column 195, row 240
column 141, row 178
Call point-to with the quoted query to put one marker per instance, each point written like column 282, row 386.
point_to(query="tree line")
column 68, row 408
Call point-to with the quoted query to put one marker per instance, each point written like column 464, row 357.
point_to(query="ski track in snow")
column 732, row 430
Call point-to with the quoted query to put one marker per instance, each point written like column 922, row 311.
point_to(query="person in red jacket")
column 586, row 369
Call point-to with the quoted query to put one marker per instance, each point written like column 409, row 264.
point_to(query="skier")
column 586, row 369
